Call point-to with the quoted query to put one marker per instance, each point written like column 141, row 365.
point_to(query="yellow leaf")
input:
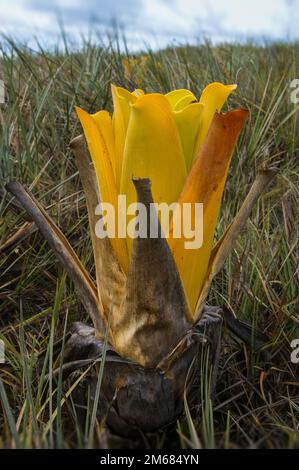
column 205, row 184
column 153, row 150
column 178, row 99
column 138, row 92
column 122, row 100
column 100, row 157
column 188, row 122
column 104, row 123
column 213, row 98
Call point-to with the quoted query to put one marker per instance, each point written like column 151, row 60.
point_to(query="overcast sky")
column 154, row 22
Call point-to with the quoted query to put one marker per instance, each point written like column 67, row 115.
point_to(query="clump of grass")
column 256, row 402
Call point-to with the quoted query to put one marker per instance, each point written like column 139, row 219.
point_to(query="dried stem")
column 224, row 245
column 64, row 253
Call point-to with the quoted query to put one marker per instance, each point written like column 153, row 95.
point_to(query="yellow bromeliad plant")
column 149, row 298
column 158, row 137
column 170, row 148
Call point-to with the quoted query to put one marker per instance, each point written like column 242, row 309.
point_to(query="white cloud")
column 220, row 17
column 154, row 21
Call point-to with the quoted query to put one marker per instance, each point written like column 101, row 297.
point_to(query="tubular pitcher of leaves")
column 148, row 305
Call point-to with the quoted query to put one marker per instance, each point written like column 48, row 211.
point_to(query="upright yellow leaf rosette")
column 182, row 145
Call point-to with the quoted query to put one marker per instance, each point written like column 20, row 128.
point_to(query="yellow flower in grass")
column 135, row 68
column 165, row 138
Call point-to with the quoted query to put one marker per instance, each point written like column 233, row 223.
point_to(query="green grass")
column 256, row 404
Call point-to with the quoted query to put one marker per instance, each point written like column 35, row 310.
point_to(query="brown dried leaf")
column 64, row 253
column 21, row 234
column 154, row 315
column 225, row 243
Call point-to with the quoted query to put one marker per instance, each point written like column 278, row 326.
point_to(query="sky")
column 153, row 23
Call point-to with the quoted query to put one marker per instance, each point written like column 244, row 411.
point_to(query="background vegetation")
column 257, row 399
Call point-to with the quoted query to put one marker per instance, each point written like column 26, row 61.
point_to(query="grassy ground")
column 257, row 403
